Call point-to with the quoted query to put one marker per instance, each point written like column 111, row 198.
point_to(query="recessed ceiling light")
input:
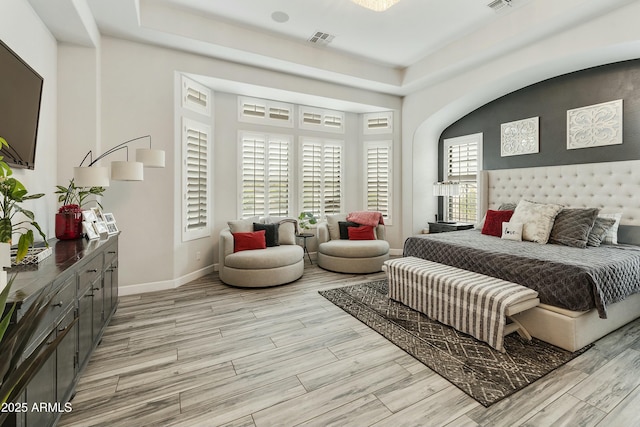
column 279, row 16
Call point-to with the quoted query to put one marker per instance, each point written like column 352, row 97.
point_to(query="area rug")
column 480, row 371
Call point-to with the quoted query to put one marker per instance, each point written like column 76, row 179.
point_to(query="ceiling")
column 411, row 45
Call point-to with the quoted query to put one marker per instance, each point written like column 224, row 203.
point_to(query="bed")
column 584, row 293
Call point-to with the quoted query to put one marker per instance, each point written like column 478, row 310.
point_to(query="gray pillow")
column 601, row 227
column 572, row 226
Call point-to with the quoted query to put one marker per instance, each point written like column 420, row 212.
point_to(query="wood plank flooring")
column 207, row 354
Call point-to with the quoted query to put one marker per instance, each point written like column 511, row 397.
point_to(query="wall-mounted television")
column 20, row 96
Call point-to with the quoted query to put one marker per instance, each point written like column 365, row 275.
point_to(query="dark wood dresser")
column 84, row 276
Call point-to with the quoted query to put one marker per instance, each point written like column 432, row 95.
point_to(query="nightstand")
column 443, row 227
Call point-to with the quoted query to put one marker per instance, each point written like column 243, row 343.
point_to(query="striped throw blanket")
column 470, row 302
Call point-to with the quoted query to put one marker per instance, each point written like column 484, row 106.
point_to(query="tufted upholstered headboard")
column 612, row 187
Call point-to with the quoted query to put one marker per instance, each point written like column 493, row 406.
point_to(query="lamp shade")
column 150, row 158
column 95, row 176
column 127, row 171
column 446, row 189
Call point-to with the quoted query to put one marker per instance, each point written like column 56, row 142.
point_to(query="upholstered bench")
column 472, row 303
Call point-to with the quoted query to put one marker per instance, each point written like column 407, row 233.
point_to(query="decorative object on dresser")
column 69, row 216
column 444, row 227
column 485, row 374
column 80, row 283
column 97, row 176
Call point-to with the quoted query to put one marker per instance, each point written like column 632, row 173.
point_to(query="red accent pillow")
column 493, row 223
column 247, row 241
column 364, row 232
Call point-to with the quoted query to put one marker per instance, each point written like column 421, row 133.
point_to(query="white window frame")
column 323, row 144
column 268, row 107
column 468, row 182
column 326, row 119
column 385, row 118
column 388, row 146
column 268, row 138
column 205, row 229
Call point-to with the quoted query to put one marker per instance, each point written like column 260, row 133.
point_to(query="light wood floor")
column 207, row 354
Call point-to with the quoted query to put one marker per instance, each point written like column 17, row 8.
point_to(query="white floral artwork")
column 595, row 126
column 519, row 137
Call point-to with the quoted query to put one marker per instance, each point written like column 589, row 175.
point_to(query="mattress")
column 570, row 278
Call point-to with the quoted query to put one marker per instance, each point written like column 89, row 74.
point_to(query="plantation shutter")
column 312, row 178
column 378, row 178
column 196, row 168
column 378, row 123
column 321, row 177
column 265, row 175
column 253, row 176
column 332, row 179
column 278, row 181
column 462, row 166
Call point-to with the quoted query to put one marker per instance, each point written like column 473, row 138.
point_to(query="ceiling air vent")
column 497, row 5
column 320, row 39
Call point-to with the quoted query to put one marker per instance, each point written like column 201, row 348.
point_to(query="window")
column 321, row 120
column 195, row 97
column 196, row 192
column 377, row 123
column 321, row 174
column 462, row 162
column 265, row 175
column 377, row 168
column 265, row 112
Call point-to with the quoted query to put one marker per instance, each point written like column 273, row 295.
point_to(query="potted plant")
column 307, row 219
column 69, row 216
column 12, row 193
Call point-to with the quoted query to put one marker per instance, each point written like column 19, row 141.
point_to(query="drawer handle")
column 88, row 295
column 58, row 304
column 96, row 289
column 112, row 252
column 62, row 329
column 92, row 271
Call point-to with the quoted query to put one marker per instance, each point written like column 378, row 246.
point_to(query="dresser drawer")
column 89, row 273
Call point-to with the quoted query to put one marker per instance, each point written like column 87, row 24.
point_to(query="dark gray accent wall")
column 550, row 100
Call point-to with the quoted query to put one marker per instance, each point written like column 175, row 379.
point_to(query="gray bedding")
column 571, row 278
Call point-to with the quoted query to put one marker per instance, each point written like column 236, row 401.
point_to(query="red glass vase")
column 68, row 225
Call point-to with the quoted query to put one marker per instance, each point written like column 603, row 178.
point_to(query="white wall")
column 24, row 32
column 138, row 98
column 607, row 38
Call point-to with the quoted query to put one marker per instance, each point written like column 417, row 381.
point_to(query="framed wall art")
column 519, row 137
column 595, row 125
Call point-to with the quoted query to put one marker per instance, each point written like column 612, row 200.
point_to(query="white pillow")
column 611, row 238
column 332, row 224
column 537, row 220
column 242, row 225
column 512, row 231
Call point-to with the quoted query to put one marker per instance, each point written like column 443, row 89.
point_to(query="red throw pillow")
column 364, row 232
column 247, row 241
column 493, row 222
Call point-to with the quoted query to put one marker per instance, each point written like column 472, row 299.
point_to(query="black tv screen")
column 20, row 96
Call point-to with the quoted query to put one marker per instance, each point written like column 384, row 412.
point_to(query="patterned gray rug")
column 474, row 367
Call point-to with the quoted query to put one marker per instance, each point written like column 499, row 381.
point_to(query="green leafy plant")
column 307, row 219
column 15, row 370
column 77, row 196
column 12, row 193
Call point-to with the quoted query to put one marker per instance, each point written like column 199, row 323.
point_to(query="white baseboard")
column 142, row 288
